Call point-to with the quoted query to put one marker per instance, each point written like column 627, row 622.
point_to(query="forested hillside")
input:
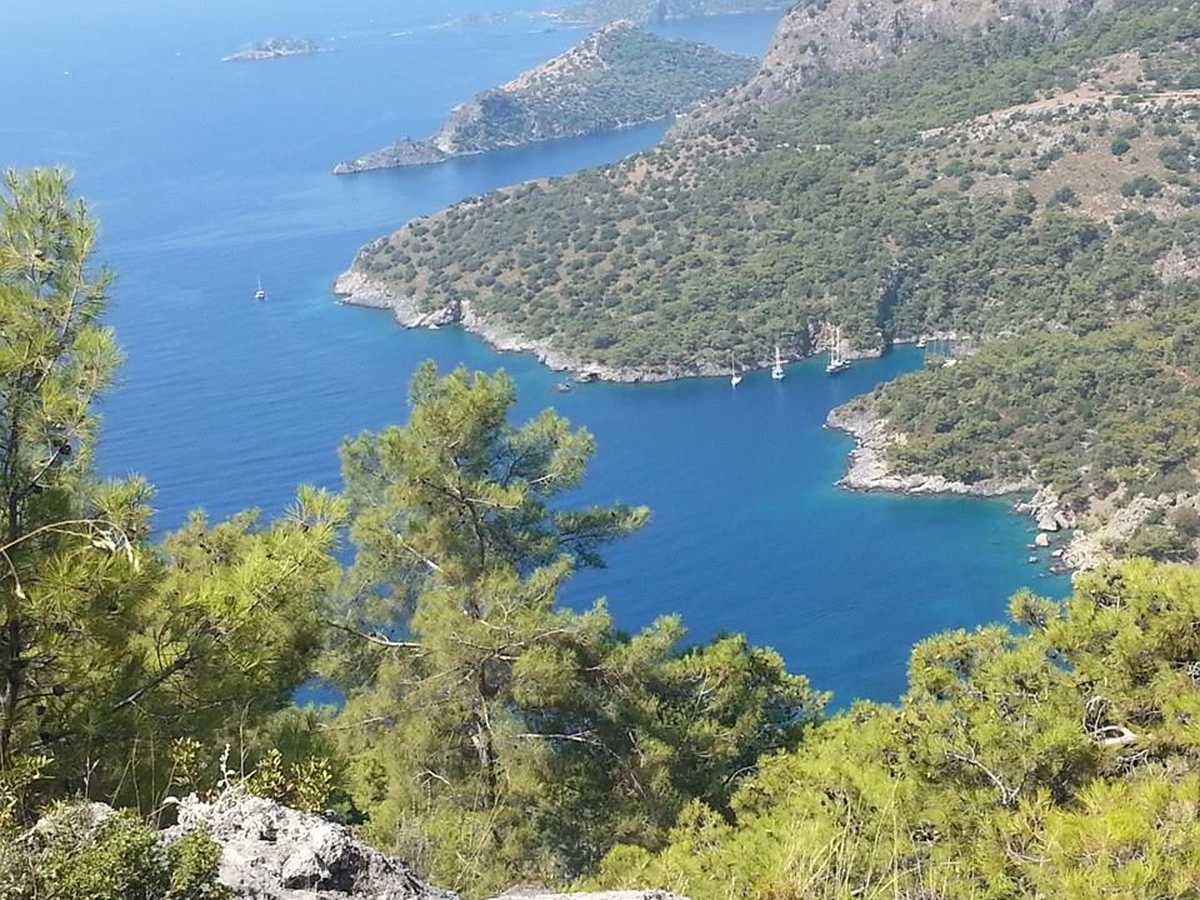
column 995, row 181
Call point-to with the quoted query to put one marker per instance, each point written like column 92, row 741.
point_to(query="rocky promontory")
column 405, row 152
column 1081, row 540
column 869, row 469
column 620, row 76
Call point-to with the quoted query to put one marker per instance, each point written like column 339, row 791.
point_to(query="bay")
column 207, row 176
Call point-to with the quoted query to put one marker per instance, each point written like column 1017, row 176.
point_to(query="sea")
column 208, row 176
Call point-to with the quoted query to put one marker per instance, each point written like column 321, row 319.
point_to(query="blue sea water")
column 207, row 176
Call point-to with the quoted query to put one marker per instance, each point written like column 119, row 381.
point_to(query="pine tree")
column 113, row 648
column 494, row 734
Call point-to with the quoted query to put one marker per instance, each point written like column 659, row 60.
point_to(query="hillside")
column 1015, row 180
column 839, row 35
column 601, row 11
column 619, row 76
column 876, row 199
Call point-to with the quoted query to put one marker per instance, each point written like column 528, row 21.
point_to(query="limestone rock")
column 271, row 852
column 852, row 34
column 1042, row 540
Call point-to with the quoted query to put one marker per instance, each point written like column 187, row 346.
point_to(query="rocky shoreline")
column 1075, row 545
column 356, row 288
column 408, row 153
column 869, row 470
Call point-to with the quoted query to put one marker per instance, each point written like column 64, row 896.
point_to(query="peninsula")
column 274, row 48
column 622, row 75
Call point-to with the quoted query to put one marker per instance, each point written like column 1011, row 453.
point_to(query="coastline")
column 408, row 153
column 868, row 469
column 1074, row 548
column 356, row 288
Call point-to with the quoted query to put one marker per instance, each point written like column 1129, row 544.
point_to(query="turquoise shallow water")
column 208, row 175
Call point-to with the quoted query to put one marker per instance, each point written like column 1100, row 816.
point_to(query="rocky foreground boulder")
column 272, row 852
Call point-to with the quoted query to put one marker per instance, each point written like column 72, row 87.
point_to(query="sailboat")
column 777, row 372
column 260, row 294
column 734, row 378
column 837, row 362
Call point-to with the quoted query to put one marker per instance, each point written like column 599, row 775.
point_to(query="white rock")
column 271, row 852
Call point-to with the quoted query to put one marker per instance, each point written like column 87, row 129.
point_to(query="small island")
column 274, row 48
column 620, row 76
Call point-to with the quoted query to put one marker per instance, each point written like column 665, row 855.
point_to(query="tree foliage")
column 495, row 735
column 1058, row 762
column 112, row 648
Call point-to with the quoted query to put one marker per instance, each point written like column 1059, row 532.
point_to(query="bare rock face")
column 852, row 34
column 271, row 852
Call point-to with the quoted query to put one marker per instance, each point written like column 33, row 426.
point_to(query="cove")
column 207, row 176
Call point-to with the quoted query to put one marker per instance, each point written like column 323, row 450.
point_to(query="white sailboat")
column 260, row 294
column 777, row 372
column 734, row 378
column 837, row 361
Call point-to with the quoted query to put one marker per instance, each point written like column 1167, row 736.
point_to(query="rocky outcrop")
column 404, row 152
column 1083, row 541
column 598, row 85
column 358, row 288
column 271, row 852
column 1092, row 547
